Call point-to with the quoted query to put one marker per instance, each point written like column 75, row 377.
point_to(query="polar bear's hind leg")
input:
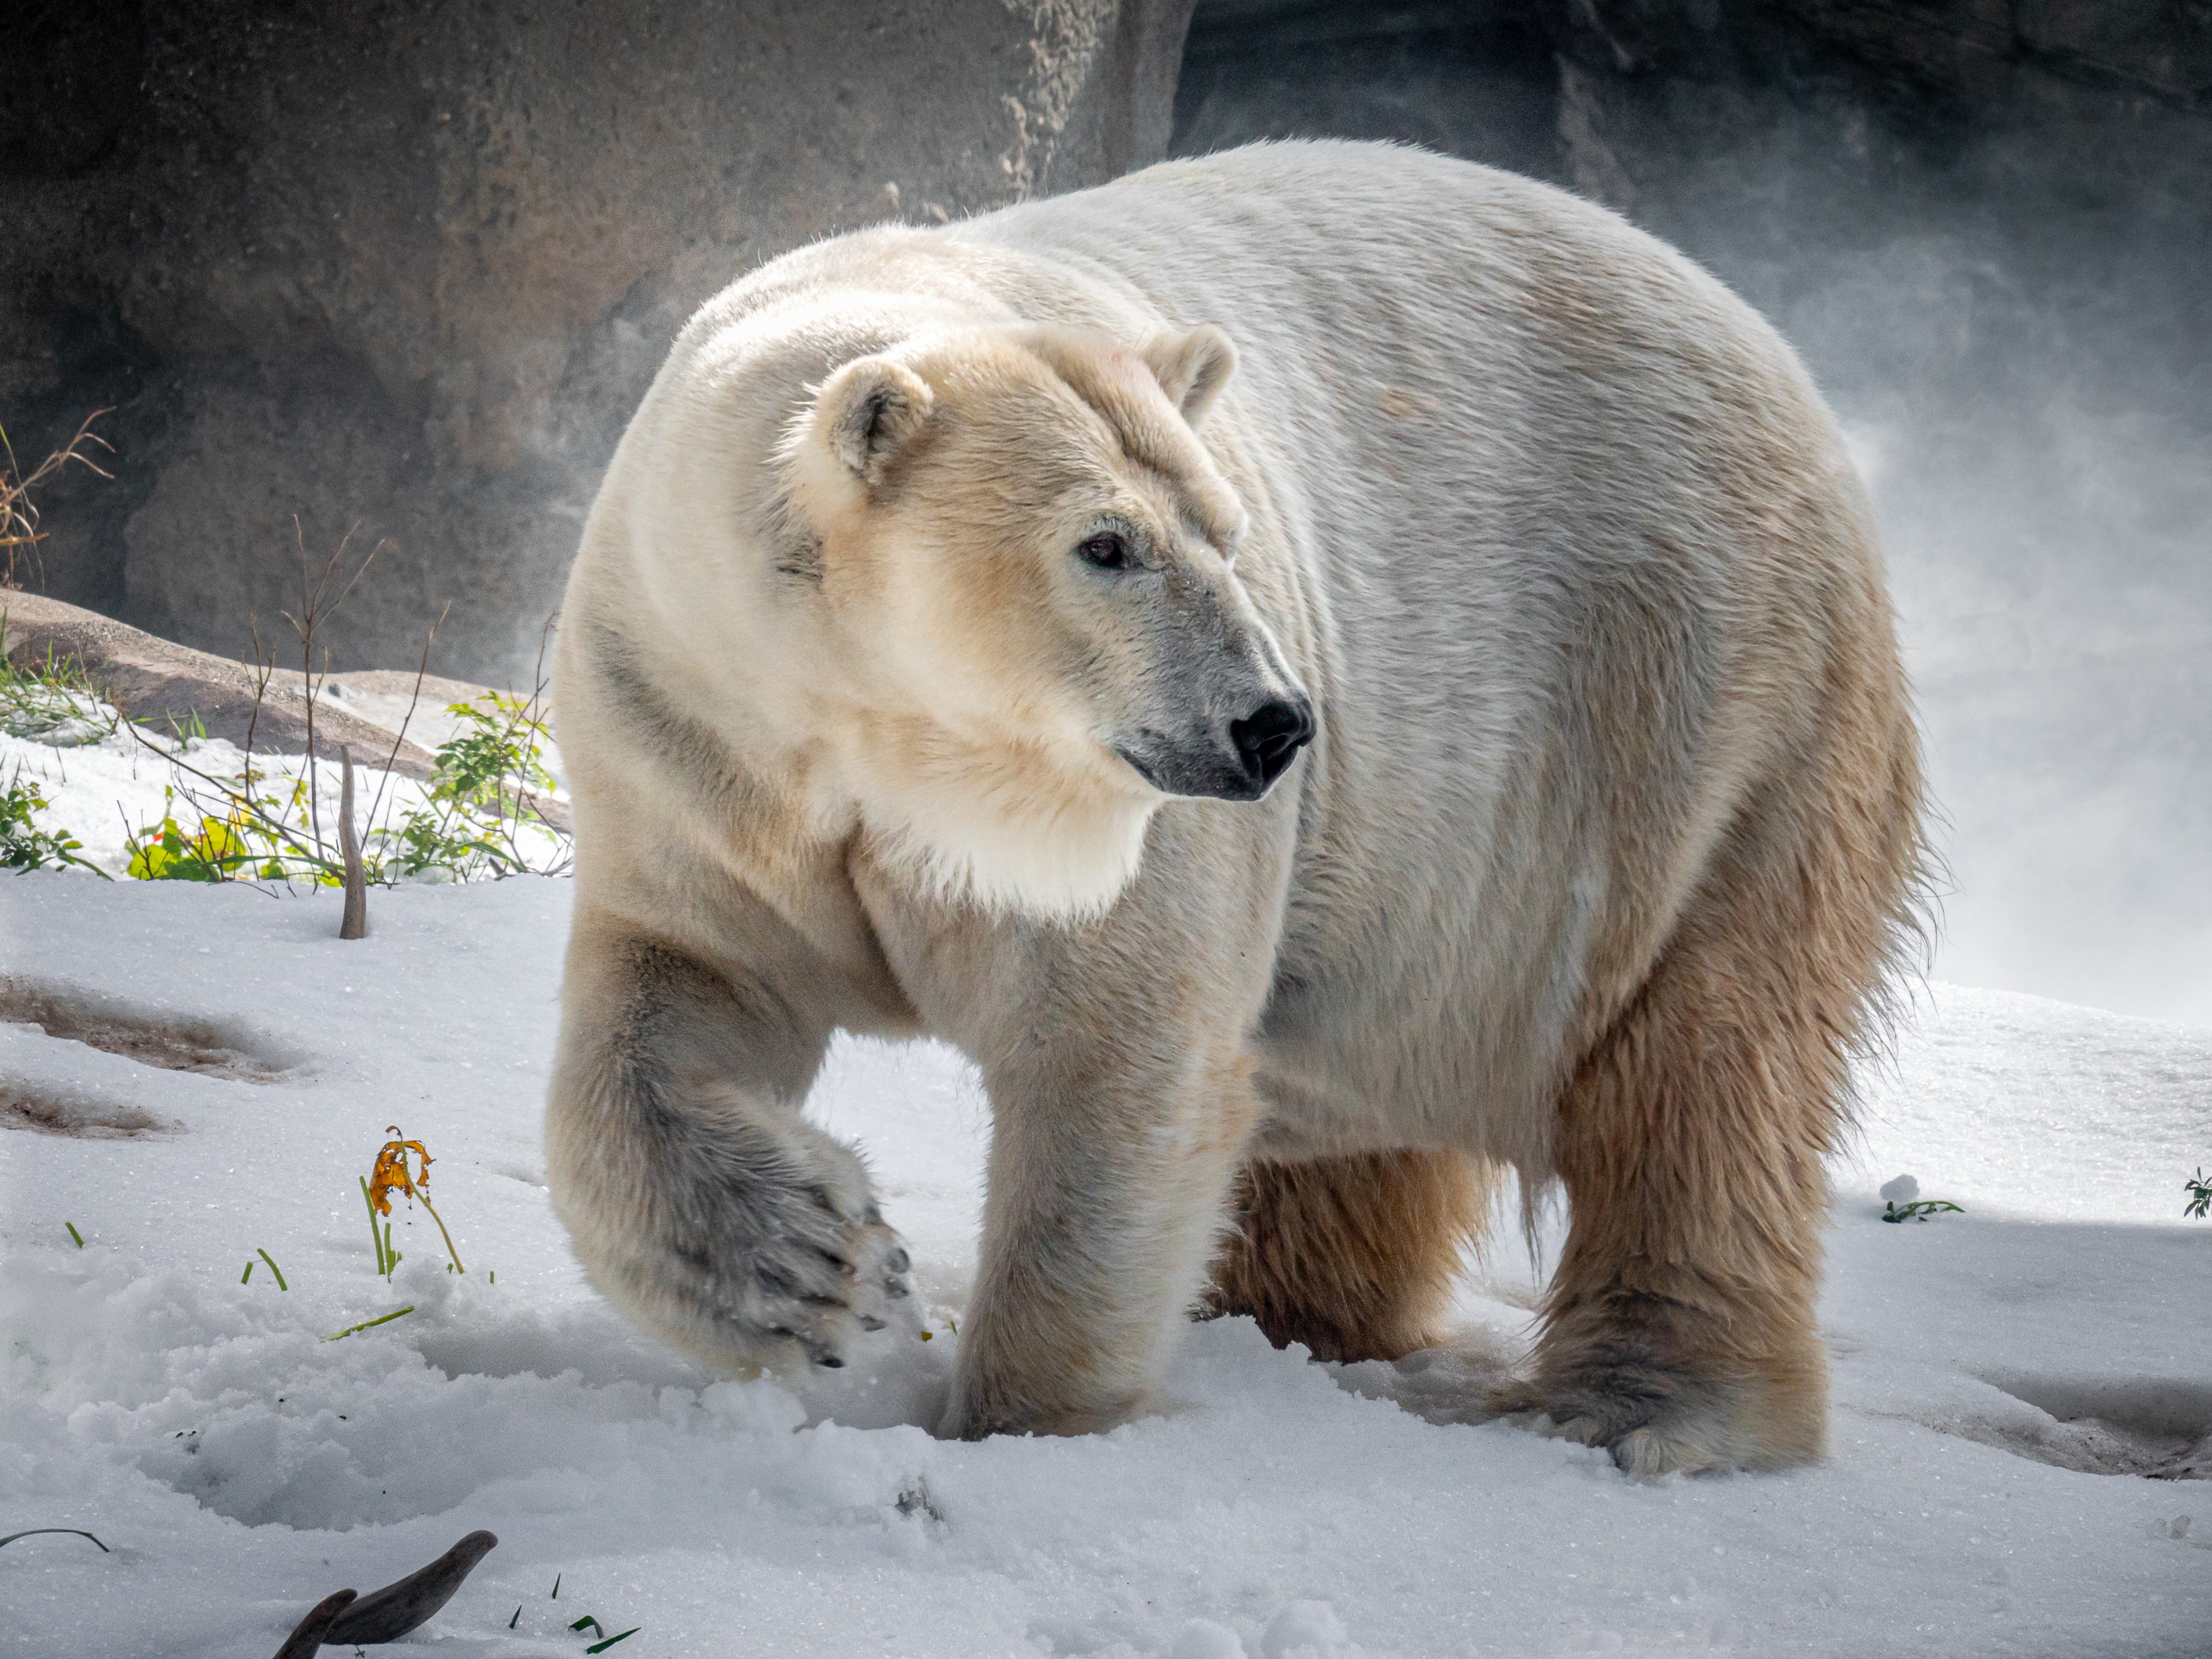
column 1680, row 1329
column 1353, row 1257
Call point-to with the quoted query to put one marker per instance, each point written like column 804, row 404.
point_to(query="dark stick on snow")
column 355, row 924
column 308, row 1636
column 387, row 1615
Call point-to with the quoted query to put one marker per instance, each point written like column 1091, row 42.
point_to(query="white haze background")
column 2022, row 367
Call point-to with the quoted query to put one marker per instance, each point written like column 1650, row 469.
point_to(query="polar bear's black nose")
column 1269, row 737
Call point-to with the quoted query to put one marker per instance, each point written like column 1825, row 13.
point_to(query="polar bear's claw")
column 809, row 1291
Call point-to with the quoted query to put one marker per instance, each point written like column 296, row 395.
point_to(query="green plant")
column 598, row 1630
column 387, row 1259
column 2199, row 1188
column 503, row 744
column 23, row 845
column 239, row 836
column 476, row 821
column 169, row 852
column 480, row 818
column 1920, row 1209
column 477, row 817
column 390, row 1175
column 482, row 796
column 50, row 699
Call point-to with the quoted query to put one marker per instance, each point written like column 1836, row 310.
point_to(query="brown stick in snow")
column 389, row 1614
column 356, row 922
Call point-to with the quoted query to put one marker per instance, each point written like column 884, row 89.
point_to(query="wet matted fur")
column 900, row 680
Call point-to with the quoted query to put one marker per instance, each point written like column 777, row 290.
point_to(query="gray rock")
column 1533, row 84
column 390, row 718
column 405, row 271
column 172, row 688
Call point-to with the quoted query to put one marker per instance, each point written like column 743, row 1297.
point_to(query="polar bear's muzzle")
column 1237, row 759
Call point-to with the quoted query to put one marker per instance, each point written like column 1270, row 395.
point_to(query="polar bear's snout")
column 1209, row 709
column 1236, row 759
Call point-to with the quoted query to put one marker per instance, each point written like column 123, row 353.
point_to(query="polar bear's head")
column 1026, row 562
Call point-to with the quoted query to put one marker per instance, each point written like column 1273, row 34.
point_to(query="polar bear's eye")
column 1108, row 550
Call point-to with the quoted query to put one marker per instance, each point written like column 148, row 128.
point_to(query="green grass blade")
column 74, row 1233
column 601, row 1647
column 375, row 1242
column 273, row 1269
column 371, row 1324
column 248, row 1273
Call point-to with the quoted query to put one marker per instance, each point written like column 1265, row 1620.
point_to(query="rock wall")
column 1528, row 83
column 400, row 269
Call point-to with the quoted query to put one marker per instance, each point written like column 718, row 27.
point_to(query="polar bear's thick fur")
column 952, row 606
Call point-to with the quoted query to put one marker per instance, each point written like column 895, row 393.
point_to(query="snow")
column 241, row 1467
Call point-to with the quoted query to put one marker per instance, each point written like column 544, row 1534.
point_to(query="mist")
column 2019, row 360
column 2022, row 400
column 2009, row 309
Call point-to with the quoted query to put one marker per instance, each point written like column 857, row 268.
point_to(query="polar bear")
column 1326, row 670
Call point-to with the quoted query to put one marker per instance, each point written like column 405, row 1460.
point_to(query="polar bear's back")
column 1475, row 407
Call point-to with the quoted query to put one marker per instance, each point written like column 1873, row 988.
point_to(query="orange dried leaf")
column 390, row 1174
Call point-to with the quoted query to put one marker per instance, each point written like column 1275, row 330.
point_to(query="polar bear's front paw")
column 764, row 1255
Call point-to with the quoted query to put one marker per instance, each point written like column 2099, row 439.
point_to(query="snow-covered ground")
column 241, row 1467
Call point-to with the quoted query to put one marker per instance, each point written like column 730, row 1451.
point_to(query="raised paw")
column 759, row 1247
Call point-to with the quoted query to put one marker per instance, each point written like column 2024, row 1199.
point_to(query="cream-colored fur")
column 921, row 631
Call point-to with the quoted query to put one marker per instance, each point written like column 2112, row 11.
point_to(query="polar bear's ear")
column 1193, row 367
column 867, row 410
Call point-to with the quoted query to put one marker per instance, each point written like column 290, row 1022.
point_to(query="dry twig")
column 19, row 515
